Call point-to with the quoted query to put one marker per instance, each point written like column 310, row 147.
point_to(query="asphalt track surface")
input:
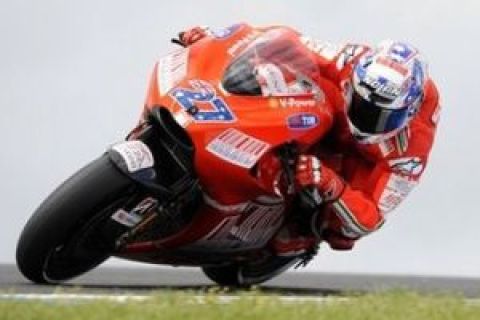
column 107, row 280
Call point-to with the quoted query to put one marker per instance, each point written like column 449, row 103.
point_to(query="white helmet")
column 387, row 91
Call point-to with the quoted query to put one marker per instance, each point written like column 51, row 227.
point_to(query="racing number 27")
column 203, row 93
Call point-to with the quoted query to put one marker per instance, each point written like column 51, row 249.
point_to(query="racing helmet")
column 387, row 91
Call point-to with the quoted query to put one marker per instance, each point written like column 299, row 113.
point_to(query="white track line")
column 72, row 297
column 127, row 298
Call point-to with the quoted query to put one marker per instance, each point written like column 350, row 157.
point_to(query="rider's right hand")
column 312, row 174
column 192, row 35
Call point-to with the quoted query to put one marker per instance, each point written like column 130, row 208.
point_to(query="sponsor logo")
column 242, row 42
column 325, row 49
column 225, row 32
column 171, row 70
column 410, row 166
column 126, row 218
column 302, row 121
column 348, row 53
column 132, row 218
column 238, row 148
column 253, row 225
column 136, row 154
column 258, row 222
column 297, row 103
column 392, row 64
column 382, row 86
column 401, row 52
column 396, row 190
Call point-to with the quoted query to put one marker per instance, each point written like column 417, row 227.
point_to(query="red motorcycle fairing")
column 238, row 98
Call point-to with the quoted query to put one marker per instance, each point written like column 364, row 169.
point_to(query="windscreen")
column 274, row 64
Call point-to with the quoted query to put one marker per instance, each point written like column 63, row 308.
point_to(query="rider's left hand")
column 192, row 35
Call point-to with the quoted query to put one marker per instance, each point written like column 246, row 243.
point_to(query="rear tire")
column 224, row 276
column 251, row 273
column 90, row 195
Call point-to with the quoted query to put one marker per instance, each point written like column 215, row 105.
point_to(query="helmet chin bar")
column 369, row 138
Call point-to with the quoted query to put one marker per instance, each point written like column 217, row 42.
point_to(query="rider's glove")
column 310, row 173
column 192, row 35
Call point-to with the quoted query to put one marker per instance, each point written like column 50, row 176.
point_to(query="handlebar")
column 288, row 157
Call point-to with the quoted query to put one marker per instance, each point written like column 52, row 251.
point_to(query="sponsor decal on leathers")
column 396, row 190
column 411, row 166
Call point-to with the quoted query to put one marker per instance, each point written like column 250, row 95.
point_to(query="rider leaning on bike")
column 386, row 113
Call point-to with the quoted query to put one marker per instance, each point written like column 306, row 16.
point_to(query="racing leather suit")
column 378, row 177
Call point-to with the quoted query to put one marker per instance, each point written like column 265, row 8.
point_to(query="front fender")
column 135, row 160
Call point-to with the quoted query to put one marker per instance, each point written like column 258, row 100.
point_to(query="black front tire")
column 92, row 191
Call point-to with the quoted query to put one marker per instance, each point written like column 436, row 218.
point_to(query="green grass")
column 382, row 306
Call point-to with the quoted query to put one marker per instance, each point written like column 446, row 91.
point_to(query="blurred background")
column 73, row 75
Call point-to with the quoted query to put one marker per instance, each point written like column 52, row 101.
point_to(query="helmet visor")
column 370, row 118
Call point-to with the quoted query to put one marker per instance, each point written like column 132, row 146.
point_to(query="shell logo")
column 273, row 103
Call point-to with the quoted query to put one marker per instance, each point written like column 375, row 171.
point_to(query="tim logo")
column 302, row 121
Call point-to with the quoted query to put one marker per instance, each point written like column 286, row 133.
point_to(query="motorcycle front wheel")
column 62, row 240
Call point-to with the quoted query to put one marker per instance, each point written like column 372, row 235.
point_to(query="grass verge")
column 185, row 306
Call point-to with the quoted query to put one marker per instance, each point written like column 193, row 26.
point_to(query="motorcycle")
column 181, row 189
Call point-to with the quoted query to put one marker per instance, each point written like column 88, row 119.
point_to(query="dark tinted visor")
column 370, row 118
